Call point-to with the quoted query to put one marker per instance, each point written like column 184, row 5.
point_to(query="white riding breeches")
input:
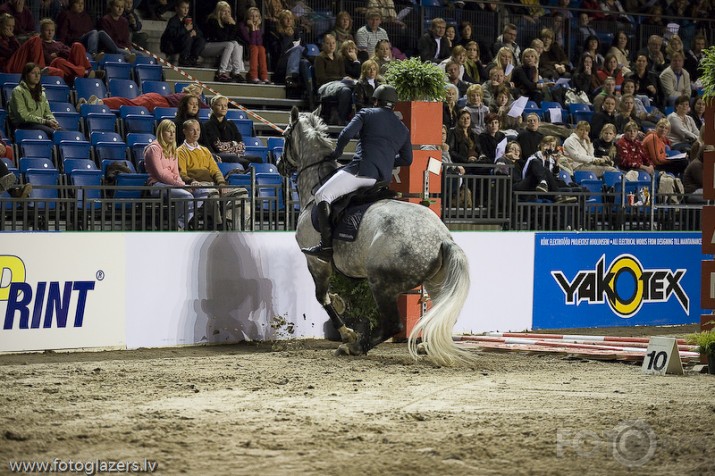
column 341, row 184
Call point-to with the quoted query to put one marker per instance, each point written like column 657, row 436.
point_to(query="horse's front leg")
column 321, row 272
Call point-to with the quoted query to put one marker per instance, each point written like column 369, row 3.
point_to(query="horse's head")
column 306, row 142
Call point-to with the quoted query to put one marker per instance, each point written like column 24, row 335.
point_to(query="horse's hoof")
column 421, row 349
column 348, row 335
column 348, row 349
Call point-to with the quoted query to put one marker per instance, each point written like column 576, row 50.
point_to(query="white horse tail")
column 436, row 326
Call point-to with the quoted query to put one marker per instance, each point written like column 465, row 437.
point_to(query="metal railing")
column 478, row 199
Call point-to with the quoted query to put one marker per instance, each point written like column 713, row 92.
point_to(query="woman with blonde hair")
column 366, row 85
column 221, row 33
column 504, row 60
column 382, row 55
column 163, row 169
column 581, row 154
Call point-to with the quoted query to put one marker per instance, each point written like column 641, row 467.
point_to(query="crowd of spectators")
column 644, row 102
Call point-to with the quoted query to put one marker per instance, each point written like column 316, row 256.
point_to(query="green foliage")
column 416, row 81
column 707, row 68
column 357, row 296
column 704, row 340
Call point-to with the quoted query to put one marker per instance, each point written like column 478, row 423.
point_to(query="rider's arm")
column 404, row 157
column 351, row 131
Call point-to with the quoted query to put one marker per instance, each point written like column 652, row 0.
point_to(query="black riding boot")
column 324, row 250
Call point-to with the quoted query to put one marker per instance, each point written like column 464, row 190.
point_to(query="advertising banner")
column 61, row 291
column 624, row 279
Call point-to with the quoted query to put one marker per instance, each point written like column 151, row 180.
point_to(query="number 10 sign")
column 662, row 357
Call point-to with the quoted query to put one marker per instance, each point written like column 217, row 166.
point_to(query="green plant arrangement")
column 357, row 297
column 416, row 81
column 705, row 341
column 707, row 67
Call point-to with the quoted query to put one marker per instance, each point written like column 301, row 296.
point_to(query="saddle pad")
column 347, row 228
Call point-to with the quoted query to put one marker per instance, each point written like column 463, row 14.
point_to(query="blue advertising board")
column 624, row 279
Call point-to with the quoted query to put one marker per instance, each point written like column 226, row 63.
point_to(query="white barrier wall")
column 130, row 290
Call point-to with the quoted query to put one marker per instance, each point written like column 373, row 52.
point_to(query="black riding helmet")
column 386, row 96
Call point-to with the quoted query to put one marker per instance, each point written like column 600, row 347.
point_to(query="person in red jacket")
column 631, row 155
column 71, row 61
column 13, row 56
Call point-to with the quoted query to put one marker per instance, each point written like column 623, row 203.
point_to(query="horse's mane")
column 316, row 131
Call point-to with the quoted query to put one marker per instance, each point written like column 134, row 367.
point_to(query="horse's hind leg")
column 390, row 322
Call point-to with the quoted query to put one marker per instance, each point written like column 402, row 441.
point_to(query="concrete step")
column 254, row 91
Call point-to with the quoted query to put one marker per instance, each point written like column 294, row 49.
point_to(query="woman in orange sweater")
column 657, row 145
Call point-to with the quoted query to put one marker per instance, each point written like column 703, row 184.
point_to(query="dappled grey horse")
column 399, row 246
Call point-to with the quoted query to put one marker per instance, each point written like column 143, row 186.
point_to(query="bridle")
column 288, row 156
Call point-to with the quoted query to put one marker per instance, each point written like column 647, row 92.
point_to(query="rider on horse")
column 384, row 144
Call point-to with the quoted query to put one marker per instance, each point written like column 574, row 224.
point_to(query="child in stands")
column 252, row 33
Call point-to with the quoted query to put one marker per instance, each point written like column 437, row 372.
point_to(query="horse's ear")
column 318, row 110
column 294, row 115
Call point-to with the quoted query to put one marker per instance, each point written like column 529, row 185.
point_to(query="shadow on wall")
column 236, row 299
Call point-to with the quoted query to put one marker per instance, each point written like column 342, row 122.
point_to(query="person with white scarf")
column 579, row 151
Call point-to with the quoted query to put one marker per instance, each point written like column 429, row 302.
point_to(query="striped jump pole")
column 688, row 353
column 531, row 335
column 205, row 86
column 579, row 339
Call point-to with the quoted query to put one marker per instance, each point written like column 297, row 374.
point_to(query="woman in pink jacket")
column 163, row 168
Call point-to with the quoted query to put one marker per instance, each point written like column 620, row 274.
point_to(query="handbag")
column 577, row 97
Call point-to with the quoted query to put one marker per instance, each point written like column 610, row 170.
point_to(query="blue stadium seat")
column 159, row 87
column 112, row 57
column 148, row 72
column 89, row 182
column 582, row 116
column 138, row 123
column 241, row 180
column 138, row 155
column 57, row 92
column 269, row 191
column 86, row 87
column 236, row 114
column 74, row 150
column 70, row 166
column 530, row 107
column 52, row 80
column 44, row 187
column 253, row 142
column 7, row 92
column 103, row 136
column 245, row 127
column 139, row 138
column 3, row 123
column 85, row 109
column 60, row 106
column 10, row 78
column 124, row 88
column 264, row 168
column 95, row 122
column 70, row 136
column 228, row 167
column 161, row 113
column 117, row 70
column 110, row 150
column 27, row 163
column 69, row 121
column 581, row 175
column 261, row 152
column 610, row 179
column 143, row 59
column 37, row 148
column 29, row 134
column 311, row 50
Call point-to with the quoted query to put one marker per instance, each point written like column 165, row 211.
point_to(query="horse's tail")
column 437, row 325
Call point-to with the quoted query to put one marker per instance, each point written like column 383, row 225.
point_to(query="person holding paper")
column 683, row 131
column 492, row 139
column 526, row 77
column 656, row 146
column 502, row 107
